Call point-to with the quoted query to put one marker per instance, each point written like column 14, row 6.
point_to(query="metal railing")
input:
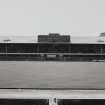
column 52, row 53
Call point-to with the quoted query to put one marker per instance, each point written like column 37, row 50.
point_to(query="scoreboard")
column 53, row 37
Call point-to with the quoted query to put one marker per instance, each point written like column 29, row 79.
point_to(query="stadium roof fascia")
column 74, row 40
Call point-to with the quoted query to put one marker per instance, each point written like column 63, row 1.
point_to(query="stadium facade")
column 53, row 47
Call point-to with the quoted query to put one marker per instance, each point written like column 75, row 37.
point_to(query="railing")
column 52, row 97
column 53, row 53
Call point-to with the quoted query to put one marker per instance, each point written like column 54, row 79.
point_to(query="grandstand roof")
column 33, row 39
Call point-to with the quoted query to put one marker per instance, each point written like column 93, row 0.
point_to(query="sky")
column 33, row 17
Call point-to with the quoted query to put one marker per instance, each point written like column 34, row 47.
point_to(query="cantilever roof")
column 90, row 40
column 33, row 39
